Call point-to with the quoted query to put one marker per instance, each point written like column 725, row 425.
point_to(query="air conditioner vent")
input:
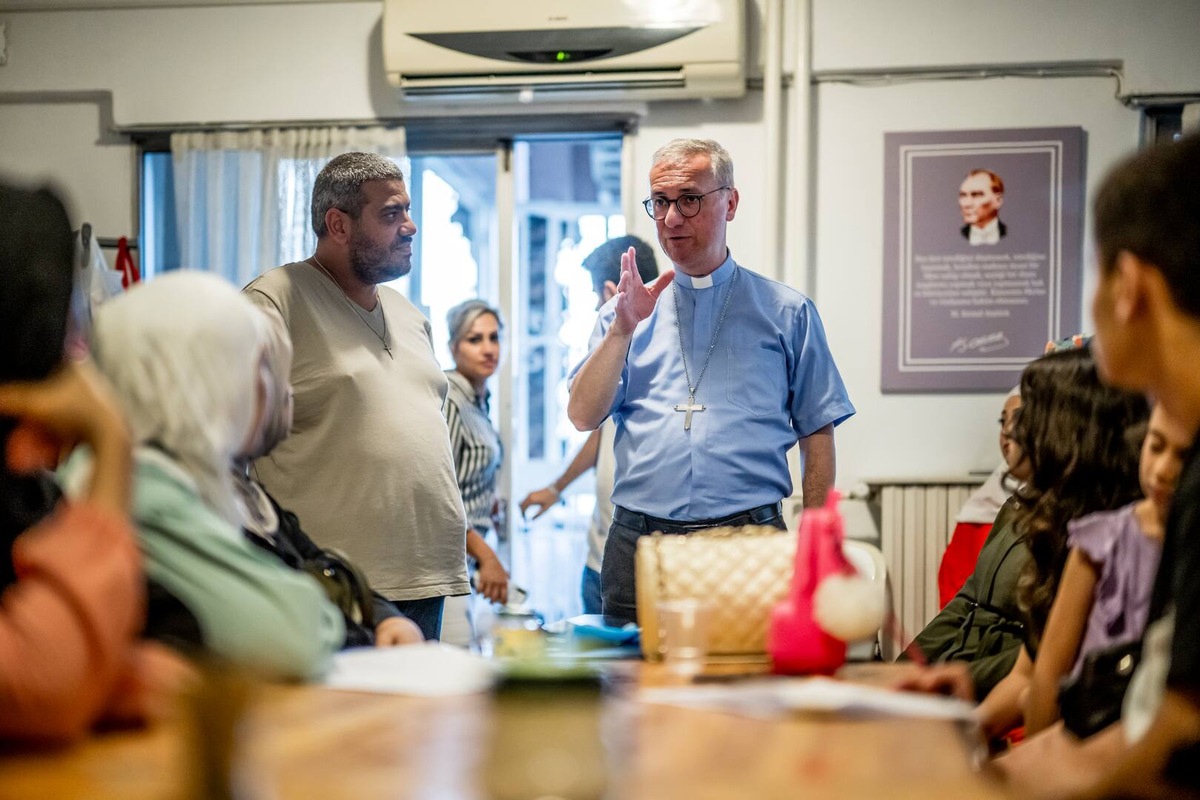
column 601, row 49
column 558, row 46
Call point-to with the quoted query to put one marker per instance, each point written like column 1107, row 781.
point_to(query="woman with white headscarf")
column 184, row 354
column 370, row 618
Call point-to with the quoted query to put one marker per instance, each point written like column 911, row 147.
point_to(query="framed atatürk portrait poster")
column 982, row 250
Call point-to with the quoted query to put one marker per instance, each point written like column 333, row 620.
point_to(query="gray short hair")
column 460, row 318
column 339, row 185
column 678, row 150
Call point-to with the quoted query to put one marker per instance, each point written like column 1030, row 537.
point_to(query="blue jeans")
column 590, row 589
column 426, row 613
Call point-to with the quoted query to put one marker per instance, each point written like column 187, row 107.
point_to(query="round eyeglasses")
column 688, row 205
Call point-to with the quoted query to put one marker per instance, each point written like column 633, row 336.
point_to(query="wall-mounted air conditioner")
column 565, row 49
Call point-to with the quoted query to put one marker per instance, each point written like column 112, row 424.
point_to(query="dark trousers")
column 426, row 613
column 617, row 571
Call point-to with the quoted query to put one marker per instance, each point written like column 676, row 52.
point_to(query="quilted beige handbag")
column 742, row 572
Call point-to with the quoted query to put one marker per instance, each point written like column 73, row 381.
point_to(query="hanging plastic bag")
column 93, row 284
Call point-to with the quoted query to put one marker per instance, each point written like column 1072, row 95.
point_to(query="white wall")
column 208, row 64
column 315, row 61
column 1156, row 39
column 175, row 65
column 911, row 434
column 63, row 143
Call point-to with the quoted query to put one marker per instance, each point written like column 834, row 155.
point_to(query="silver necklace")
column 692, row 405
column 354, row 307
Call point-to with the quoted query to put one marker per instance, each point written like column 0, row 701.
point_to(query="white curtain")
column 242, row 197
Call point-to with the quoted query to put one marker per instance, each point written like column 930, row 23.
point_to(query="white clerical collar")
column 714, row 278
column 988, row 234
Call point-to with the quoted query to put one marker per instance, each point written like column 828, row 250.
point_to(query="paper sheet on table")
column 768, row 698
column 431, row 669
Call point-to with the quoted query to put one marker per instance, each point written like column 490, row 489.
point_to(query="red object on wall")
column 125, row 266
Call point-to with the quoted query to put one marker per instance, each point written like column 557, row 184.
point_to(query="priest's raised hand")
column 635, row 300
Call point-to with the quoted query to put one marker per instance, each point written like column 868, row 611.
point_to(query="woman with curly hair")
column 1083, row 457
column 1081, row 441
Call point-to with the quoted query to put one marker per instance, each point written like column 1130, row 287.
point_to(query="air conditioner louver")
column 544, row 49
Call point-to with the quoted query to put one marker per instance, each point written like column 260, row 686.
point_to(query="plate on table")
column 594, row 626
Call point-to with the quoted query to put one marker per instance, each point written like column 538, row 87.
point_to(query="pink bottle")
column 795, row 642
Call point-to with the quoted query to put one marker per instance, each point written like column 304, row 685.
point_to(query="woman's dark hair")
column 1075, row 431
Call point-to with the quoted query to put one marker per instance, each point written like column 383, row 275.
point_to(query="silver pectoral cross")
column 689, row 407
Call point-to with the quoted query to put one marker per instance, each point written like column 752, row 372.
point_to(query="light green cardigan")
column 252, row 609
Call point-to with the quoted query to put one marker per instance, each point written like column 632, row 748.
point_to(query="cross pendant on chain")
column 388, row 350
column 689, row 407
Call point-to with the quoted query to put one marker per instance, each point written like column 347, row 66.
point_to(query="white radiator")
column 916, row 520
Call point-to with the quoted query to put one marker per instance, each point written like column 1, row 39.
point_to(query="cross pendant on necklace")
column 691, row 406
column 388, row 350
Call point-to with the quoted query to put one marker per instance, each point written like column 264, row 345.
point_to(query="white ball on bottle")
column 849, row 607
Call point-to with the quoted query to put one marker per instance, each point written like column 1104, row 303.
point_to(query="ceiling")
column 91, row 5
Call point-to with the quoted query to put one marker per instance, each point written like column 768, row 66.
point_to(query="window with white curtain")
column 240, row 198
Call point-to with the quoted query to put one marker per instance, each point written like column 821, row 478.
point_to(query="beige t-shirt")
column 367, row 467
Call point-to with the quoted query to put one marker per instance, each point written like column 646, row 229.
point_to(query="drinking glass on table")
column 685, row 625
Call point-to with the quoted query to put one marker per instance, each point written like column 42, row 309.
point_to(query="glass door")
column 512, row 226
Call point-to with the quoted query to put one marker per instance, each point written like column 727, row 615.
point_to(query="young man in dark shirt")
column 1147, row 316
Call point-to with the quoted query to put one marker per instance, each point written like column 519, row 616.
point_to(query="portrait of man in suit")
column 979, row 199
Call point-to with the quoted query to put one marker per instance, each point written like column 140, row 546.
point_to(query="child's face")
column 1164, row 450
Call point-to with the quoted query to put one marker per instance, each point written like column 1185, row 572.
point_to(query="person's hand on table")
column 396, row 631
column 950, row 678
column 1054, row 765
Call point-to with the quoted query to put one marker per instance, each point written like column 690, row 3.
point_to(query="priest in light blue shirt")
column 711, row 374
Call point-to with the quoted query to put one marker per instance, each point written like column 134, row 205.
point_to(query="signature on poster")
column 987, row 343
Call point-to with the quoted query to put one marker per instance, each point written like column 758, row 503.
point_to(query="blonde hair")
column 460, row 318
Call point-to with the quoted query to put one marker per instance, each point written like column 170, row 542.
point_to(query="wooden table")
column 311, row 742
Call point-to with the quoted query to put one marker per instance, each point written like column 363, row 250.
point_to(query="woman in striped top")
column 475, row 346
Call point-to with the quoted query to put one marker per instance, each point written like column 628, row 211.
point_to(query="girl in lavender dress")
column 1104, row 594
